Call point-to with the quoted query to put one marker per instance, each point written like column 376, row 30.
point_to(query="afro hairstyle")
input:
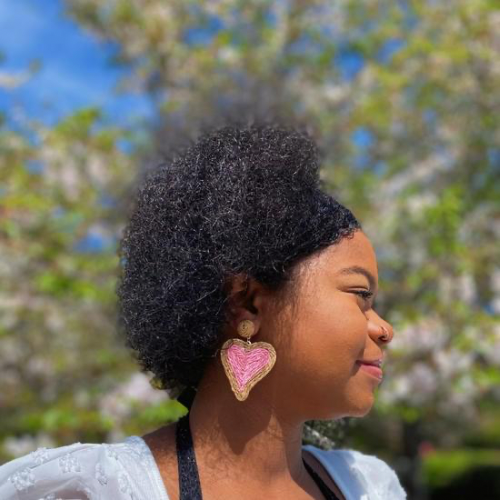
column 241, row 199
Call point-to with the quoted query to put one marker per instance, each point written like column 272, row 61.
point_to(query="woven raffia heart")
column 246, row 364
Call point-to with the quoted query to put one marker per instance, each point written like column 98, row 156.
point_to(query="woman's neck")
column 253, row 439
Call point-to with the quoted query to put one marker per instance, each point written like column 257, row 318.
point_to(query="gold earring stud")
column 246, row 328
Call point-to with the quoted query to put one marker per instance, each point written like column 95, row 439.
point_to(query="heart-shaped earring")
column 245, row 363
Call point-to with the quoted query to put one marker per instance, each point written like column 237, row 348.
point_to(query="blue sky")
column 75, row 66
column 76, row 70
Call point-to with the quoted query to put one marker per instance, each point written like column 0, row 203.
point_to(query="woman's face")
column 329, row 328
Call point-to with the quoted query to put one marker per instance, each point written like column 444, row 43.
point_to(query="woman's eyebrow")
column 359, row 270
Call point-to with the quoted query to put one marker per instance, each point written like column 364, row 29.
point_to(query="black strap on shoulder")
column 189, row 480
column 186, row 397
column 327, row 492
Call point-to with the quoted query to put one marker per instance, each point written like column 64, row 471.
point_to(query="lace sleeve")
column 378, row 478
column 120, row 471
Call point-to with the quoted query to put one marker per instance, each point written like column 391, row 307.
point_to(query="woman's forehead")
column 351, row 255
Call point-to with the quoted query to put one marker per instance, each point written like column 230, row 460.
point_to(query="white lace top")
column 128, row 471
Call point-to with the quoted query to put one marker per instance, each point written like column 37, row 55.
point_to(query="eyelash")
column 364, row 294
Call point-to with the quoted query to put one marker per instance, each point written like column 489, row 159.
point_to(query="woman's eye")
column 365, row 294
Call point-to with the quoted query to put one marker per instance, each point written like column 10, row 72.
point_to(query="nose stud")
column 385, row 336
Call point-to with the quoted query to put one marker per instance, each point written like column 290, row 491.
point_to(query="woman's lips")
column 373, row 370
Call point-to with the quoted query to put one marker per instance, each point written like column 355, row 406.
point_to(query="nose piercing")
column 385, row 336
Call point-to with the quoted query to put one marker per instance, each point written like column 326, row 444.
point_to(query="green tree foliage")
column 59, row 353
column 403, row 98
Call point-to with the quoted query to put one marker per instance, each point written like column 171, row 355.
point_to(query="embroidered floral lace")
column 127, row 471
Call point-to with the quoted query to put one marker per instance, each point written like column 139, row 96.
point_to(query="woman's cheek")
column 332, row 332
column 350, row 334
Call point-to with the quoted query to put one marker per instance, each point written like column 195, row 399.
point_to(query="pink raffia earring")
column 245, row 363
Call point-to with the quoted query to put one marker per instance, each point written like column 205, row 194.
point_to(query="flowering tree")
column 59, row 223
column 401, row 96
column 402, row 100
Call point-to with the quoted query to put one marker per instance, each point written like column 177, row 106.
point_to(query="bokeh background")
column 404, row 99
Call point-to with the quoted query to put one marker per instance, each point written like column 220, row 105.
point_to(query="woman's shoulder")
column 360, row 474
column 123, row 470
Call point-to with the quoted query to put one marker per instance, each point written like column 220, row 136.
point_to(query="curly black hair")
column 242, row 199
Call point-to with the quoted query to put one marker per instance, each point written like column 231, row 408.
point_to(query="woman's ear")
column 245, row 300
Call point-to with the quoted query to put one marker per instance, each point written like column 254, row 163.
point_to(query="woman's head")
column 241, row 208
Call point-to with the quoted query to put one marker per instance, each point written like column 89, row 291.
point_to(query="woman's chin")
column 362, row 405
column 357, row 407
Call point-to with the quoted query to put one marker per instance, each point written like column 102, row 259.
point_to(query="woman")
column 249, row 289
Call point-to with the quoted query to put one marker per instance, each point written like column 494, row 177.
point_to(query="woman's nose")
column 379, row 330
